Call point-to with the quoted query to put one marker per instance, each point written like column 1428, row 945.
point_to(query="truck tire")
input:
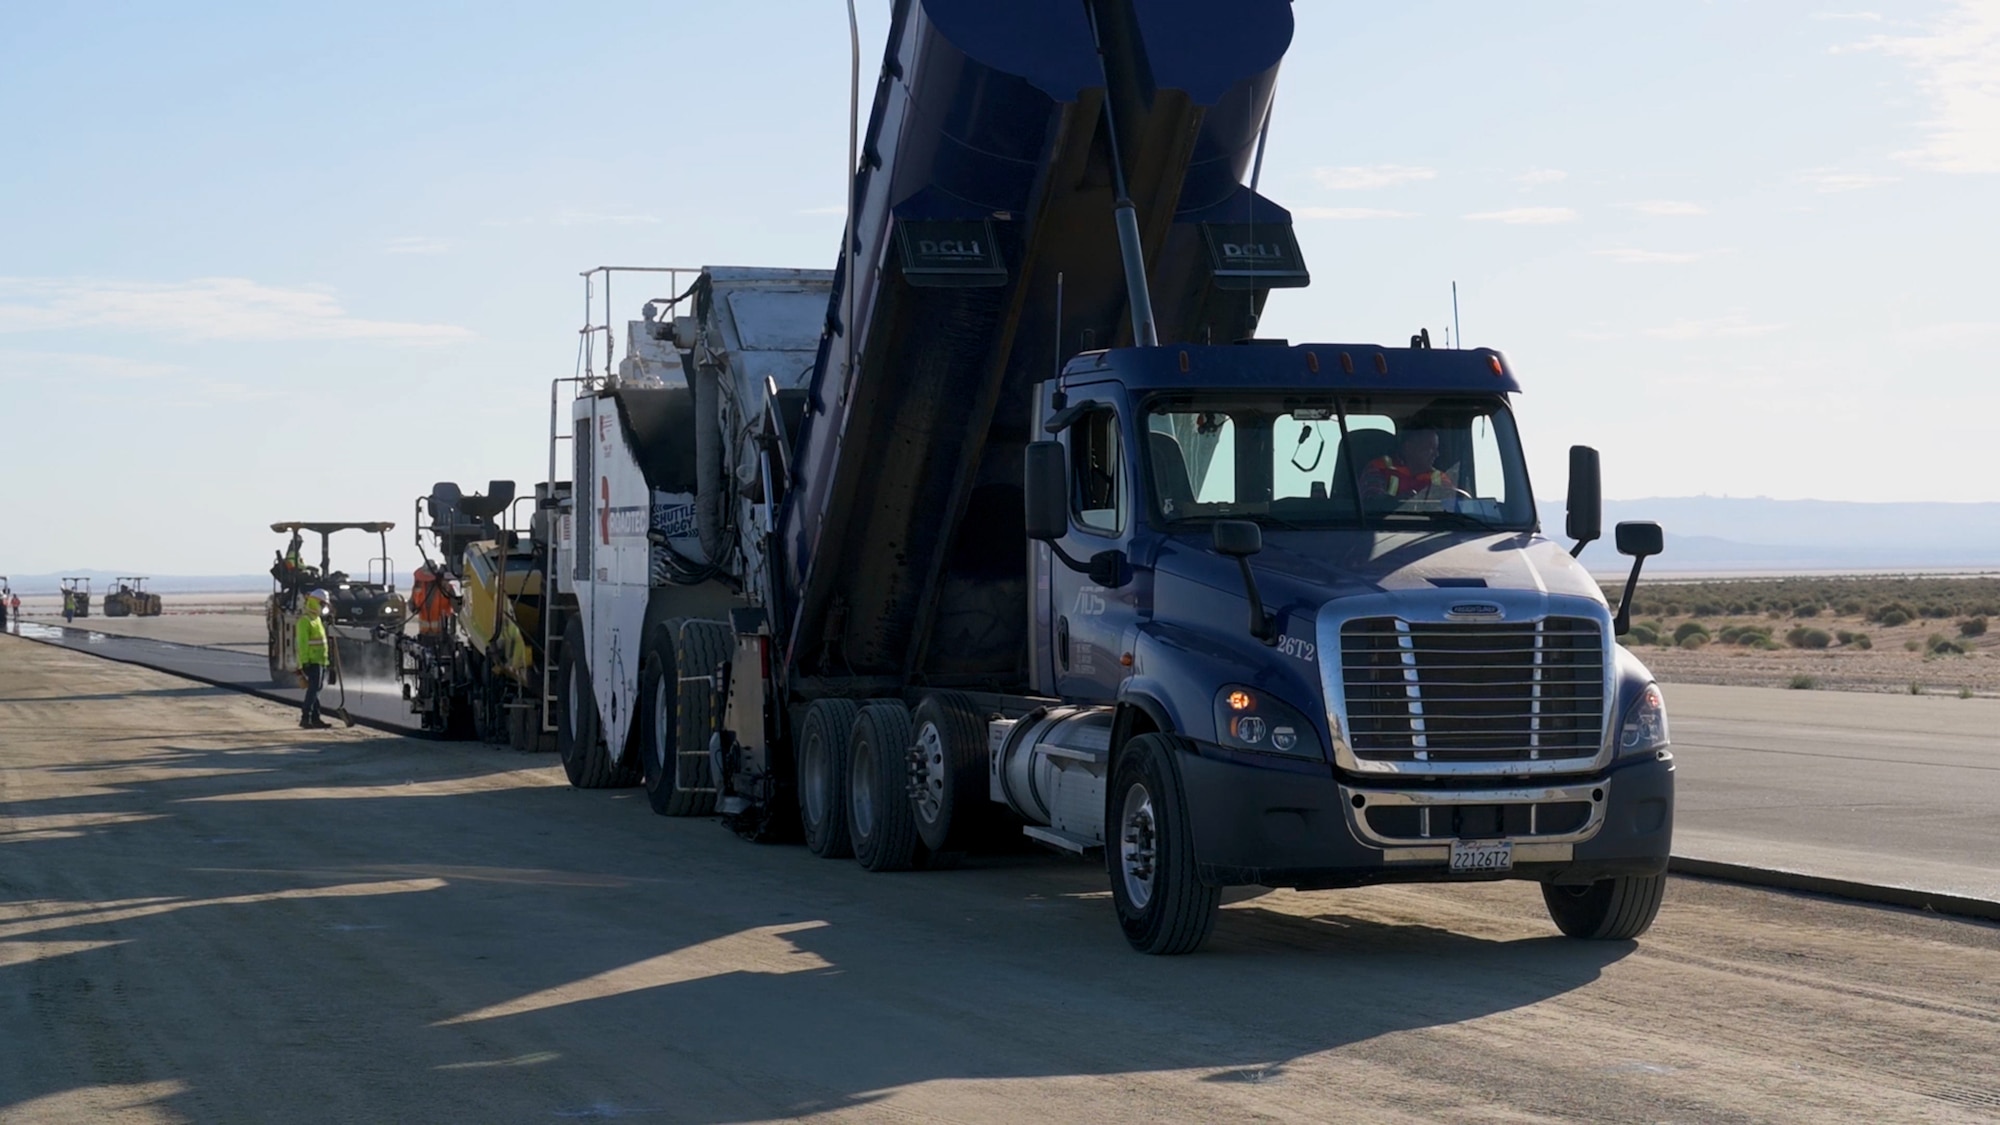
column 579, row 738
column 1617, row 909
column 1162, row 904
column 823, row 731
column 880, row 820
column 948, row 790
column 281, row 676
column 675, row 714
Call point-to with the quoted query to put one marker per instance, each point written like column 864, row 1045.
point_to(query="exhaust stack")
column 1126, row 60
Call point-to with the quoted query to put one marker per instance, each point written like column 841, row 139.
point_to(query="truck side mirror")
column 1045, row 490
column 1239, row 539
column 1585, row 517
column 1641, row 540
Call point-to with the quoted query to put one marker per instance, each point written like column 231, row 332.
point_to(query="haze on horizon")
column 260, row 263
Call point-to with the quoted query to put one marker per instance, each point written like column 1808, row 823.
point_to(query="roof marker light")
column 1184, row 362
column 1312, row 362
column 1347, row 363
column 1498, row 370
column 1381, row 364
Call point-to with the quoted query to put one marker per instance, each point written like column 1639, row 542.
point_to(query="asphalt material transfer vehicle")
column 1009, row 524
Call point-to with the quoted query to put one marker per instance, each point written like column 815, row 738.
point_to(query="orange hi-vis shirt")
column 1401, row 480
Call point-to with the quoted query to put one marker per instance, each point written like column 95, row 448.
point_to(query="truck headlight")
column 1249, row 719
column 1645, row 726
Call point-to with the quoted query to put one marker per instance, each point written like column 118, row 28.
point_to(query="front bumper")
column 1281, row 829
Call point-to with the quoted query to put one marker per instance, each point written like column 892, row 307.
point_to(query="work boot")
column 320, row 724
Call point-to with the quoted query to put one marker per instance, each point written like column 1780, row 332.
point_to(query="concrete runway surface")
column 1890, row 789
column 206, row 916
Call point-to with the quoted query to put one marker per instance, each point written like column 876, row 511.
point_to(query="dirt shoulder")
column 1888, row 664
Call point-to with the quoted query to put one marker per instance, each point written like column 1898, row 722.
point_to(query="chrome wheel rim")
column 575, row 706
column 860, row 794
column 661, row 714
column 1137, row 836
column 812, row 767
column 929, row 753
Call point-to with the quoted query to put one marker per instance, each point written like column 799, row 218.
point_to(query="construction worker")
column 69, row 607
column 430, row 596
column 1411, row 473
column 313, row 659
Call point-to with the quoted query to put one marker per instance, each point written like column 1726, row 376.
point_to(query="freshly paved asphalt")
column 372, row 694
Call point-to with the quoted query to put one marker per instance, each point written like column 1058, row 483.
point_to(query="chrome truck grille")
column 1461, row 694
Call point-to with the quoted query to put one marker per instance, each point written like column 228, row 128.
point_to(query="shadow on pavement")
column 418, row 931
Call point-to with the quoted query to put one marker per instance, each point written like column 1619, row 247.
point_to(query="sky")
column 263, row 262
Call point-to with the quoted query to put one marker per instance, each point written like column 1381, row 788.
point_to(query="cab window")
column 1097, row 494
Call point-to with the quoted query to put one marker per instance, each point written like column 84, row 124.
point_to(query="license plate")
column 1472, row 856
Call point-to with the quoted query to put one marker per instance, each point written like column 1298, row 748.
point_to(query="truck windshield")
column 1290, row 460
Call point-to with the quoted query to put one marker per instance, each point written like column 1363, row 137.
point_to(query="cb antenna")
column 1455, row 329
column 1061, row 398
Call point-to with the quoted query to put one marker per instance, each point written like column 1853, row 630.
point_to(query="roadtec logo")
column 623, row 523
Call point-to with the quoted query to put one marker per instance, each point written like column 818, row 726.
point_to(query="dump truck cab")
column 1379, row 670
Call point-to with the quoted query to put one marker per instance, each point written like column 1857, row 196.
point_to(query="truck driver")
column 1410, row 473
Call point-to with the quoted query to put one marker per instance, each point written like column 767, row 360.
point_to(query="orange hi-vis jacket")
column 1401, row 480
column 428, row 598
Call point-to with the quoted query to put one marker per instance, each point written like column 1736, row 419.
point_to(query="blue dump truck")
column 1010, row 524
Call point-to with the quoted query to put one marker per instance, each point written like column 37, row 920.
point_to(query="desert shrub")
column 1913, row 645
column 1744, row 634
column 1937, row 611
column 1850, row 608
column 1709, row 609
column 1803, row 682
column 1738, row 609
column 1693, row 640
column 1862, row 642
column 1972, row 627
column 1937, row 644
column 1883, row 612
column 1804, row 637
column 1891, row 618
column 1916, row 687
column 1845, row 636
column 1807, row 610
column 1691, row 629
column 1643, row 634
column 1765, row 644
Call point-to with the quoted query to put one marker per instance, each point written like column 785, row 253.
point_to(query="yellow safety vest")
column 311, row 637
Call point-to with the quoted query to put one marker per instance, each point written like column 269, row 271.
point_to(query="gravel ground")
column 205, row 917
